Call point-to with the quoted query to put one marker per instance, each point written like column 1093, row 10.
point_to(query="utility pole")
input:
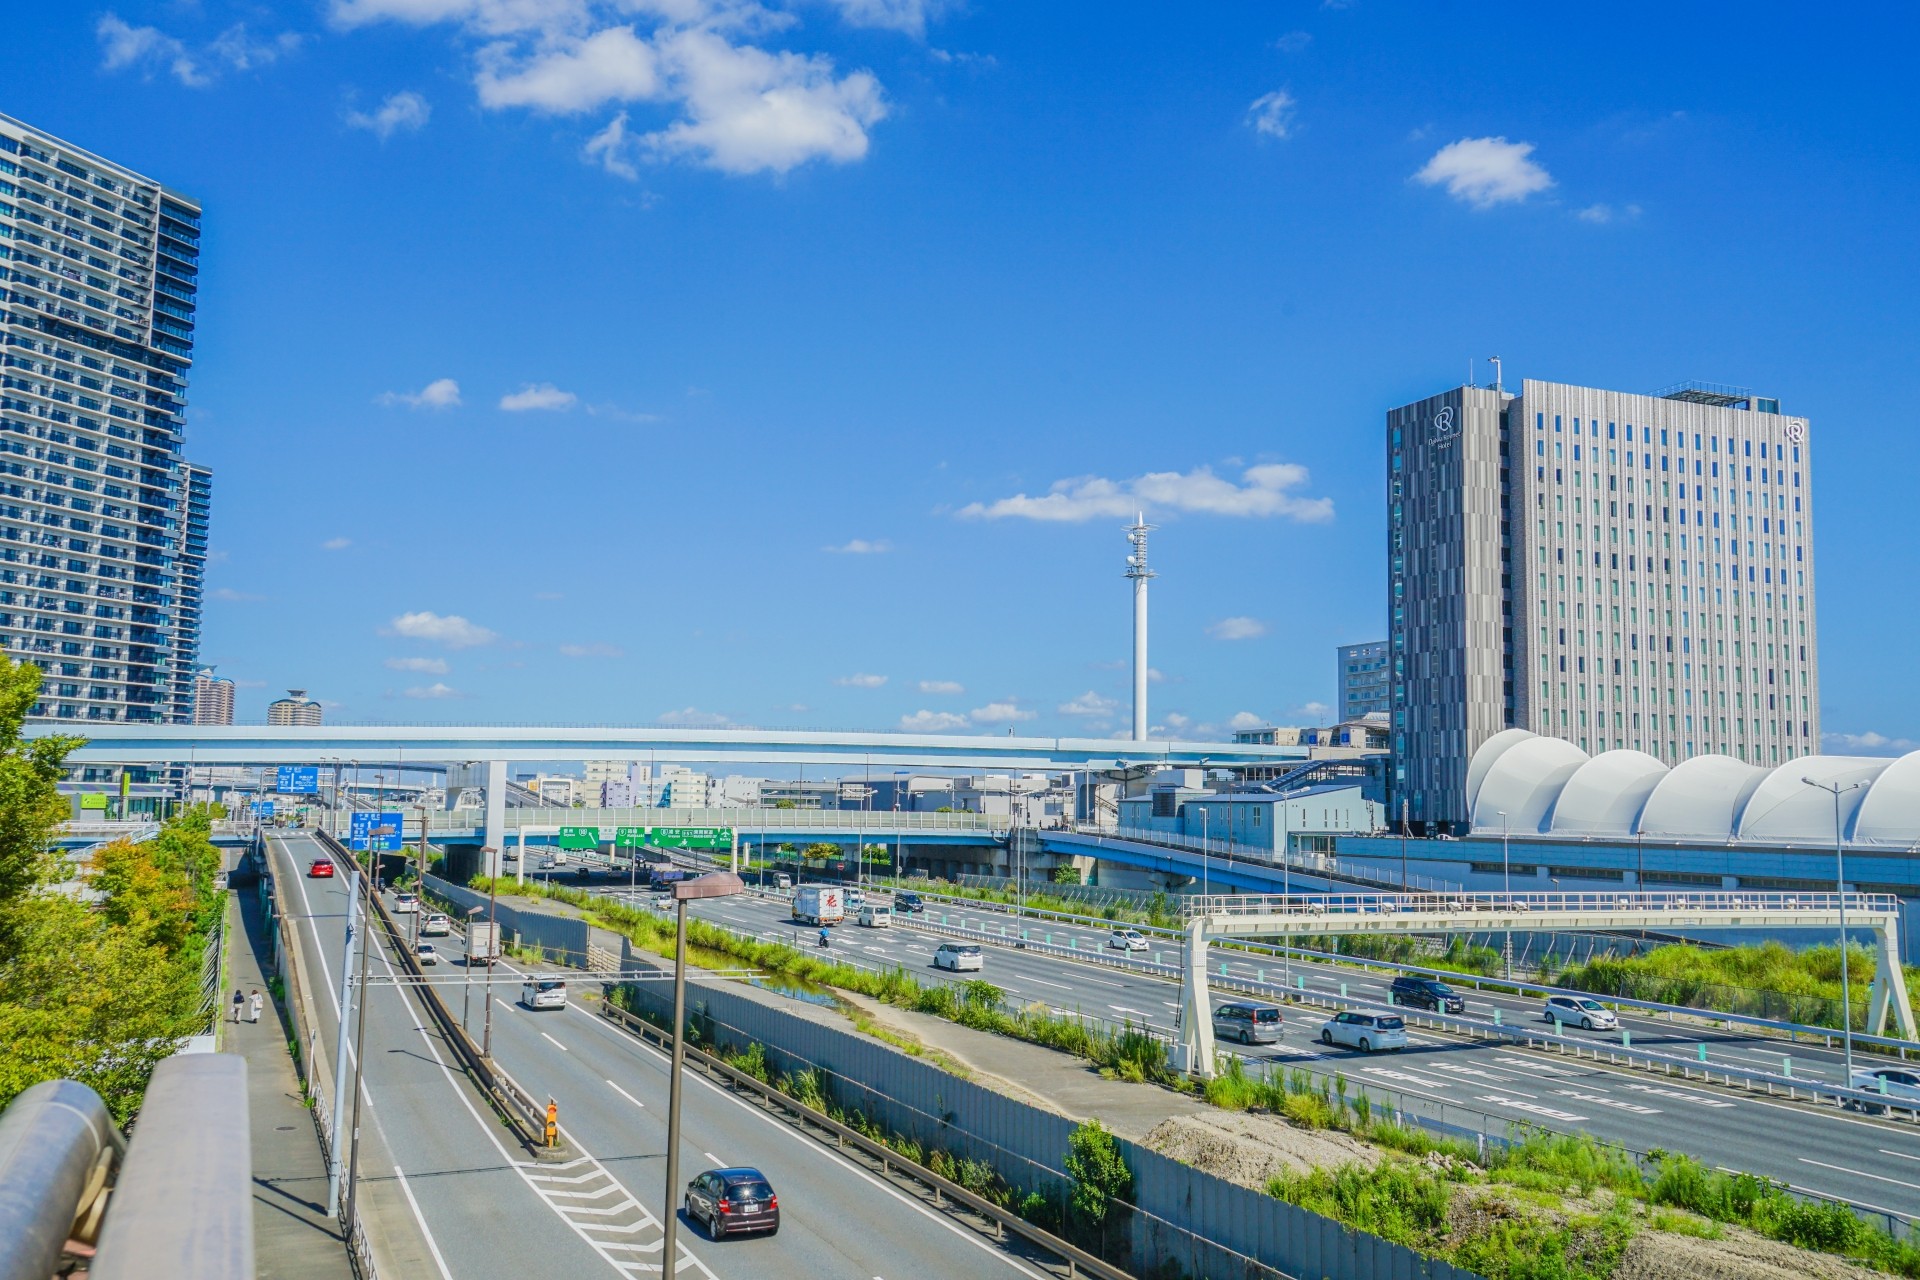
column 1137, row 571
column 359, row 1060
column 1840, row 878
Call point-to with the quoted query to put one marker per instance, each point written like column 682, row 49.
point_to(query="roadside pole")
column 340, row 1049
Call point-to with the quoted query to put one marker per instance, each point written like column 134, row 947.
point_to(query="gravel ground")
column 1249, row 1149
column 1740, row 1255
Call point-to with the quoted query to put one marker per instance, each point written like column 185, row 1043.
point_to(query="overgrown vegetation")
column 96, row 987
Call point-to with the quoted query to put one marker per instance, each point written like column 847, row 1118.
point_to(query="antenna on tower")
column 1496, row 373
column 1137, row 570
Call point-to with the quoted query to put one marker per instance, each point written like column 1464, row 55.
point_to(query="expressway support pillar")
column 1196, row 1007
column 1889, row 986
column 493, row 835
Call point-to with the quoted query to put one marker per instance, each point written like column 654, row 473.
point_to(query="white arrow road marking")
column 1679, row 1095
column 1550, row 1112
column 1599, row 1100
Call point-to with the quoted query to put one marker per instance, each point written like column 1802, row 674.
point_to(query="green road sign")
column 579, row 837
column 629, row 837
column 709, row 838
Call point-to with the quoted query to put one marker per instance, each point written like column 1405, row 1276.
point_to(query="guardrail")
column 522, row 1114
column 1552, row 902
column 1323, row 865
column 1078, row 1261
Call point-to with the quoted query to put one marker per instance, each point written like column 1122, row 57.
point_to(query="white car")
column 543, row 993
column 434, row 924
column 1365, row 1031
column 1127, row 940
column 405, row 903
column 426, row 954
column 1896, row 1084
column 875, row 916
column 1580, row 1011
column 959, row 956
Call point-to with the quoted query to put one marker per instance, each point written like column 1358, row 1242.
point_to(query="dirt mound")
column 1249, row 1149
column 1739, row 1255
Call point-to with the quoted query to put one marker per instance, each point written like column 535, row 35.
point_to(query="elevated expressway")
column 1274, row 916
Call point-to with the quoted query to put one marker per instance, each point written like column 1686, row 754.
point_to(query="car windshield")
column 1588, row 1004
column 750, row 1190
column 1440, row 988
column 1390, row 1023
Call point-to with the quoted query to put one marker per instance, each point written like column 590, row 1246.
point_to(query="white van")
column 875, row 916
column 543, row 993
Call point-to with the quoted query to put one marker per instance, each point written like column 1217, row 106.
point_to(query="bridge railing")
column 749, row 822
column 1320, row 905
column 1267, row 856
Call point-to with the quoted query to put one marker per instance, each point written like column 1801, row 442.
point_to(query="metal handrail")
column 52, row 1138
column 1228, row 849
column 1318, row 905
column 748, row 822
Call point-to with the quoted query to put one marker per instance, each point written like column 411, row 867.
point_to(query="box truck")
column 819, row 904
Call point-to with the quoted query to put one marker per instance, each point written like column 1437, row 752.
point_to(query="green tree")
column 1100, row 1177
column 785, row 804
column 1066, row 875
column 31, row 805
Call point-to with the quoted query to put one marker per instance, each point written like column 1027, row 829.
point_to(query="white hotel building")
column 1620, row 571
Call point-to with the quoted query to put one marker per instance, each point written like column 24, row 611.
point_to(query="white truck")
column 819, row 904
column 483, row 942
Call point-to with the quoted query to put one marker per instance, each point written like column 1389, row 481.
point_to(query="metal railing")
column 1727, row 901
column 751, row 823
column 1267, row 857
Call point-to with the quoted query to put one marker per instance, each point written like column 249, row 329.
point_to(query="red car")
column 321, row 869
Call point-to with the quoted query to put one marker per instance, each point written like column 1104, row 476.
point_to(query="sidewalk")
column 292, row 1235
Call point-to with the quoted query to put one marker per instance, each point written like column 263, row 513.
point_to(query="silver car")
column 1580, row 1011
column 1365, row 1031
column 1895, row 1084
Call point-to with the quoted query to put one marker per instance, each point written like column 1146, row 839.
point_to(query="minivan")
column 875, row 916
column 1427, row 993
column 1365, row 1031
column 957, row 956
column 1247, row 1022
column 543, row 993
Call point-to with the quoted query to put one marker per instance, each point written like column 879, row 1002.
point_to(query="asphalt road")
column 1871, row 1162
column 489, row 1211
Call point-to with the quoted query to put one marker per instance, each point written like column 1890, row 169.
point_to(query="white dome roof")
column 1605, row 795
column 1524, row 781
column 1891, row 812
column 1785, row 808
column 1490, row 750
column 1701, row 798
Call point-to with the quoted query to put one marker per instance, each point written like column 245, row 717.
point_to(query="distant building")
column 295, row 708
column 212, row 698
column 1364, row 683
column 786, row 793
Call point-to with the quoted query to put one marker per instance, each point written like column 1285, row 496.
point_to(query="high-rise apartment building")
column 96, row 341
column 295, row 708
column 212, row 698
column 1627, row 572
column 1361, row 673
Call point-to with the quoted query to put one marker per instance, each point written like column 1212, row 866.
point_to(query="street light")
column 493, row 945
column 717, row 884
column 1840, row 878
column 466, row 995
column 1506, row 875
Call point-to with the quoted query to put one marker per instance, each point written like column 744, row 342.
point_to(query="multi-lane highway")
column 448, row 1194
column 1868, row 1161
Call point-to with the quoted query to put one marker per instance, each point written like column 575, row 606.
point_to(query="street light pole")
column 1506, row 876
column 466, row 993
column 359, row 1061
column 718, row 884
column 1205, row 813
column 1840, row 879
column 493, row 945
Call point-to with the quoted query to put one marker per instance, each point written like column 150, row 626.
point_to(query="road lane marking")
column 555, row 1043
column 1460, row 1070
column 1903, row 1155
column 1860, row 1173
column 1043, row 982
column 1534, row 1068
column 1601, row 1100
column 716, row 1159
column 1388, row 1073
column 1551, row 1113
column 1680, row 1095
column 420, row 1220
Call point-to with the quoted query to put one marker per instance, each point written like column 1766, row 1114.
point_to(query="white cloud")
column 611, row 65
column 336, row 544
column 1272, row 114
column 423, row 666
column 612, row 146
column 861, row 681
column 1485, row 171
column 1869, row 743
column 751, row 111
column 1089, row 704
column 1239, row 628
column 941, row 686
column 1601, row 214
column 437, row 689
column 932, row 722
column 908, row 16
column 695, row 718
column 1001, row 713
column 1293, row 41
column 488, row 17
column 1172, row 723
column 1314, row 712
column 228, row 593
column 595, row 650
column 123, row 46
column 1264, row 491
column 1245, row 720
column 441, row 393
column 861, row 547
column 451, row 630
column 538, row 395
column 405, row 111
column 243, row 53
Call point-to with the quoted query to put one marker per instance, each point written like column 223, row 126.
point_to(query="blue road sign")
column 297, row 780
column 379, row 832
column 263, row 808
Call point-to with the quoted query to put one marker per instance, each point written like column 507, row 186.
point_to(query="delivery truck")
column 819, row 904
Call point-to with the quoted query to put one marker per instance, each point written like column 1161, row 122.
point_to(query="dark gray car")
column 731, row 1201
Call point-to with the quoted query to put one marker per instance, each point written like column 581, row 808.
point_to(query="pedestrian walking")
column 253, row 1006
column 239, row 1002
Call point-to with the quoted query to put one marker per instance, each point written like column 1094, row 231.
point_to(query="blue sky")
column 638, row 360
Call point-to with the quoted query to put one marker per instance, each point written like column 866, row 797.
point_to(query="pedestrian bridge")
column 1316, row 915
